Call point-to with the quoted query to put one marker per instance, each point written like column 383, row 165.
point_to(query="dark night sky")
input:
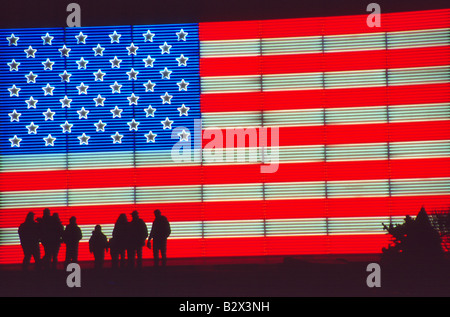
column 52, row 13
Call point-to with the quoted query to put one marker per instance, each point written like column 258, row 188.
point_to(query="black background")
column 53, row 13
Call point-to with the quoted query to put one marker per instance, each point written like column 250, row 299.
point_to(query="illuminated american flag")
column 90, row 117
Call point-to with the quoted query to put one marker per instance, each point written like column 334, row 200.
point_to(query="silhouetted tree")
column 414, row 241
column 440, row 220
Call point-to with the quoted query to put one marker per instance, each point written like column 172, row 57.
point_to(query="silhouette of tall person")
column 98, row 245
column 159, row 233
column 55, row 235
column 137, row 234
column 118, row 242
column 71, row 237
column 29, row 240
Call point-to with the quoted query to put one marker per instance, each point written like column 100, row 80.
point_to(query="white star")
column 14, row 91
column 182, row 85
column 165, row 48
column 115, row 62
column 150, row 136
column 100, row 126
column 82, row 63
column 47, row 39
column 48, row 90
column 31, row 102
column 66, row 127
column 15, row 141
column 84, row 139
column 48, row 64
column 12, row 40
column 150, row 111
column 99, row 101
column 30, row 51
column 14, row 116
column 99, row 75
column 82, row 113
column 81, row 38
column 148, row 61
column 49, row 140
column 32, row 128
column 82, row 89
column 133, row 125
column 132, row 49
column 133, row 99
column 64, row 51
column 116, row 87
column 115, row 37
column 183, row 110
column 182, row 60
column 31, row 78
column 98, row 50
column 65, row 103
column 149, row 86
column 184, row 136
column 166, row 98
column 167, row 124
column 117, row 138
column 116, row 112
column 132, row 74
column 49, row 114
column 13, row 65
column 148, row 36
column 65, row 77
column 182, row 35
column 165, row 73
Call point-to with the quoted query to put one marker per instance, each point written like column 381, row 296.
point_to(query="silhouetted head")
column 97, row 228
column 157, row 212
column 122, row 218
column 135, row 214
column 73, row 220
column 30, row 217
column 46, row 213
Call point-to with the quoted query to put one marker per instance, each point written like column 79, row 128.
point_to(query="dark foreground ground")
column 286, row 278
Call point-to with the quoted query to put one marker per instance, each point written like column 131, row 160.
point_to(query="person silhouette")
column 159, row 233
column 98, row 244
column 137, row 233
column 118, row 242
column 55, row 239
column 29, row 240
column 45, row 228
column 71, row 237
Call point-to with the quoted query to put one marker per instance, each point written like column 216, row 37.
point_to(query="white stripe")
column 354, row 42
column 161, row 194
column 230, row 48
column 354, row 79
column 247, row 228
column 230, row 84
column 418, row 38
column 419, row 75
column 419, row 112
column 301, row 81
column 291, row 45
column 364, row 188
column 357, row 152
column 420, row 149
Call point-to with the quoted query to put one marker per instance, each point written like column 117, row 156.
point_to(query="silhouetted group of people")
column 125, row 245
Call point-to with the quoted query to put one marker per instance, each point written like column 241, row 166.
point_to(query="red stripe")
column 330, row 61
column 334, row 25
column 249, row 173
